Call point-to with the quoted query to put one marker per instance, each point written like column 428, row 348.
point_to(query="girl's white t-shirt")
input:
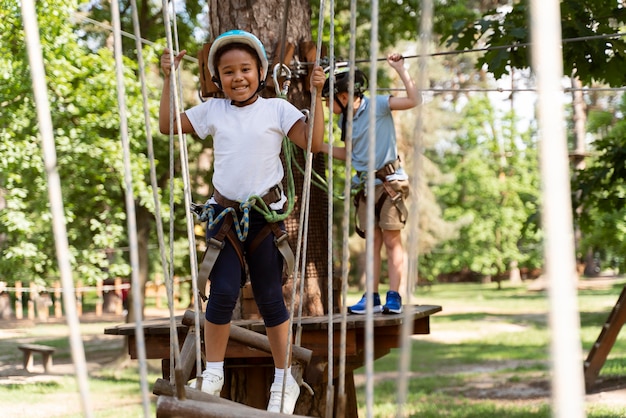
column 246, row 143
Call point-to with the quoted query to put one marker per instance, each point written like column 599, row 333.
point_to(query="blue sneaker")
column 360, row 307
column 394, row 303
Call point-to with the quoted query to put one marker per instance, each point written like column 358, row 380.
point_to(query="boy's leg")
column 395, row 257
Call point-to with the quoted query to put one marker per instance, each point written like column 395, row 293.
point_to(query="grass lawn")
column 487, row 356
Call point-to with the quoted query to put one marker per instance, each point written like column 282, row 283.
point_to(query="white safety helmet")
column 238, row 36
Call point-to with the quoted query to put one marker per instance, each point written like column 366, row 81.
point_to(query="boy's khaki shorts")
column 389, row 218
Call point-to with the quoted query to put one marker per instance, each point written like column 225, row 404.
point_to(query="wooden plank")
column 168, row 406
column 603, row 345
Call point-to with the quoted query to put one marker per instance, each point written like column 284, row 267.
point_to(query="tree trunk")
column 145, row 221
column 264, row 19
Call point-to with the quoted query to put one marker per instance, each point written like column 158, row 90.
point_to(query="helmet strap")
column 344, row 113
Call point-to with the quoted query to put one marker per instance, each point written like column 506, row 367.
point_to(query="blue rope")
column 241, row 226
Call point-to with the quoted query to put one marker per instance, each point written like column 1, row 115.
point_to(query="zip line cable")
column 126, row 34
column 365, row 60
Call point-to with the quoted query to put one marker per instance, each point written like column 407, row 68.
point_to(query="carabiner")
column 284, row 71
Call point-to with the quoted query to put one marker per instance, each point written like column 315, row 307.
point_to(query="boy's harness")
column 396, row 197
column 216, row 243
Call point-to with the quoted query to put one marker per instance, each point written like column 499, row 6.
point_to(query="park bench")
column 46, row 353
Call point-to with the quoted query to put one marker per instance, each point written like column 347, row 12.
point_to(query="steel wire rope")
column 174, row 343
column 126, row 34
column 492, row 48
column 130, row 208
column 55, row 196
column 424, row 26
column 174, row 117
column 436, row 90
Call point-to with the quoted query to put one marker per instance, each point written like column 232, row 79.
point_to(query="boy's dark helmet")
column 342, row 78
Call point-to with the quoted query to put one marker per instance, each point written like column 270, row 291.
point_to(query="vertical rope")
column 175, row 111
column 425, row 33
column 174, row 345
column 304, row 211
column 369, row 239
column 566, row 353
column 345, row 262
column 44, row 118
column 130, row 209
column 330, row 391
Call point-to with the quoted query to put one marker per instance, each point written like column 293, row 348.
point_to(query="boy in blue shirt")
column 392, row 186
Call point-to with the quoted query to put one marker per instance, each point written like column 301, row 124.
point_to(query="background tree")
column 602, row 186
column 493, row 196
column 504, row 29
column 84, row 109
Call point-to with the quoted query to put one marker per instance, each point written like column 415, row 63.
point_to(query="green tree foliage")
column 190, row 22
column 493, row 197
column 505, row 31
column 601, row 186
column 84, row 106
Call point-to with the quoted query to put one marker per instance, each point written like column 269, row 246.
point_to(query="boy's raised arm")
column 413, row 98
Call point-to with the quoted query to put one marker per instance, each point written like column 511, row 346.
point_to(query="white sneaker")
column 292, row 391
column 211, row 382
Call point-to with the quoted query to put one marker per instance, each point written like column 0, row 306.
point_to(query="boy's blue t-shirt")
column 386, row 147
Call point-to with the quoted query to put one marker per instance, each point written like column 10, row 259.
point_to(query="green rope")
column 317, row 180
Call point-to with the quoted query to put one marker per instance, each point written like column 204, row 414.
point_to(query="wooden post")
column 100, row 300
column 79, row 298
column 176, row 290
column 118, row 291
column 58, row 304
column 19, row 309
column 160, row 290
column 31, row 301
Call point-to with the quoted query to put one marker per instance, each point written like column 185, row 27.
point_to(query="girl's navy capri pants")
column 265, row 265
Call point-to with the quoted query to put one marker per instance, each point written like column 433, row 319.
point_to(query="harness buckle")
column 215, row 243
column 279, row 239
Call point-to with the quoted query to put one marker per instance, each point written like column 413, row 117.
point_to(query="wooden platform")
column 257, row 365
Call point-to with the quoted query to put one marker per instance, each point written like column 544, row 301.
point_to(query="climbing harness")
column 396, row 197
column 206, row 213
